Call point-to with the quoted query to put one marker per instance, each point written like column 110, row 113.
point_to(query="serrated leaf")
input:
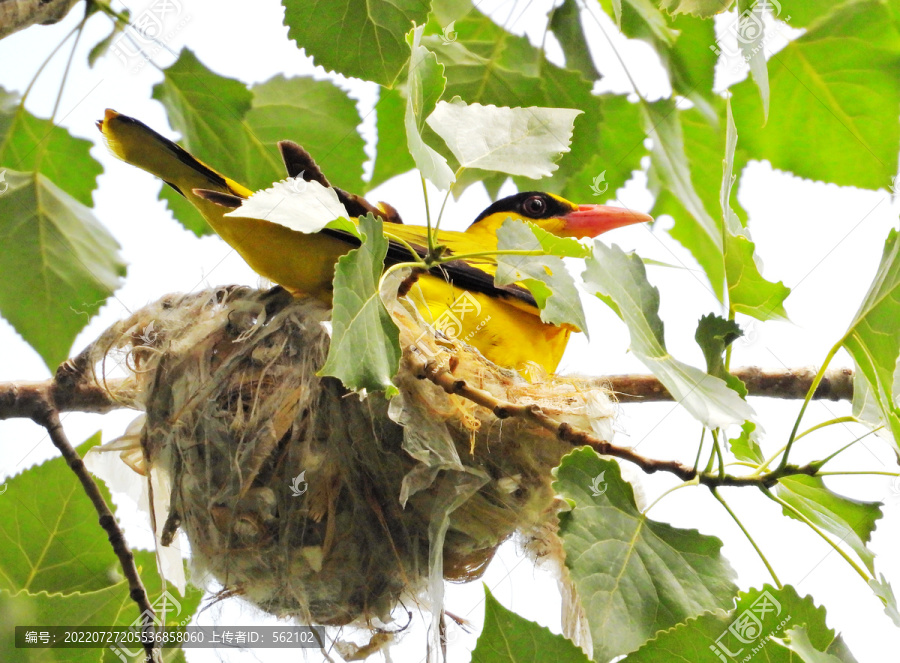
column 50, row 539
column 565, row 24
column 518, row 141
column 209, row 110
column 365, row 341
column 851, row 521
column 621, row 278
column 508, row 638
column 634, row 576
column 856, row 48
column 618, row 150
column 29, row 143
column 392, row 156
column 425, row 85
column 361, row 39
column 702, row 8
column 696, row 229
column 556, row 296
column 797, row 640
column 318, row 115
column 748, row 291
column 873, row 340
column 110, row 606
column 744, row 632
column 59, row 263
column 882, row 589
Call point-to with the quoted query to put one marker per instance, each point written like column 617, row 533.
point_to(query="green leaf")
column 873, row 340
column 634, row 576
column 101, row 47
column 392, row 156
column 518, row 141
column 110, row 606
column 745, row 631
column 745, row 447
column 425, row 85
column 49, row 535
column 365, row 341
column 565, row 24
column 488, row 65
column 318, row 115
column 843, row 73
column 618, row 149
column 851, row 521
column 556, row 294
column 58, row 262
column 714, row 335
column 748, row 291
column 751, row 39
column 702, row 8
column 882, row 589
column 797, row 640
column 508, row 638
column 361, row 39
column 670, row 171
column 207, row 110
column 29, row 143
column 614, row 276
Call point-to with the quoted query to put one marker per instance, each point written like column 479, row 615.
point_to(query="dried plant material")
column 316, row 503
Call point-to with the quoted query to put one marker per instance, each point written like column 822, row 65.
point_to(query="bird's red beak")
column 593, row 220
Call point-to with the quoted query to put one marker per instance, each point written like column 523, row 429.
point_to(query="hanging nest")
column 311, row 501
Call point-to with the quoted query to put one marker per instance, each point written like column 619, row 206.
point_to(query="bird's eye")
column 534, row 206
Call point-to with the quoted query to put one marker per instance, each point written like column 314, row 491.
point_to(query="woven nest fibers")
column 314, row 502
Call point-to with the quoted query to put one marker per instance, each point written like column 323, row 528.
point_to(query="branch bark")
column 17, row 15
column 791, row 383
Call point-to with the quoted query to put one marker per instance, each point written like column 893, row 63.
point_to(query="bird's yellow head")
column 556, row 215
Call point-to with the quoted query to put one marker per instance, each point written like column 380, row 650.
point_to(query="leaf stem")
column 44, row 64
column 758, row 550
column 768, row 493
column 427, row 218
column 809, row 395
column 62, row 84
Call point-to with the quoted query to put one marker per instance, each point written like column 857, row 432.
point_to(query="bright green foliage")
column 361, row 39
column 56, row 259
column 742, row 631
column 507, row 638
column 546, row 276
column 873, row 341
column 635, row 576
column 365, row 343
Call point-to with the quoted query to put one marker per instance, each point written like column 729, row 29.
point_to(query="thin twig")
column 440, row 375
column 49, row 419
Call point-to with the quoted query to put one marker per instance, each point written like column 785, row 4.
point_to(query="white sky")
column 823, row 241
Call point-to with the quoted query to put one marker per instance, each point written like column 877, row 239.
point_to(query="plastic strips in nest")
column 310, row 501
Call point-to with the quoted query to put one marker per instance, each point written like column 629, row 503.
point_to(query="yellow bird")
column 460, row 297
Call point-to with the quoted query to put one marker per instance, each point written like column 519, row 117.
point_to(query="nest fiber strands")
column 317, row 503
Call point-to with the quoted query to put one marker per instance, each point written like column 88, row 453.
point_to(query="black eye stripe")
column 516, row 203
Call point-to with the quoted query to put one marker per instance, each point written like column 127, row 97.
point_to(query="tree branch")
column 440, row 375
column 17, row 15
column 784, row 383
